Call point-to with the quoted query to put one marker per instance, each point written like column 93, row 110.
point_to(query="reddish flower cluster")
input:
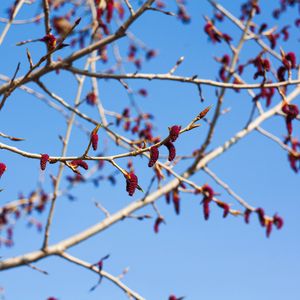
column 2, row 169
column 214, row 34
column 50, row 40
column 154, row 154
column 158, row 221
column 247, row 7
column 183, row 15
column 291, row 111
column 131, row 183
column 293, row 159
column 174, row 132
column 283, row 6
column 107, row 7
column 143, row 92
column 43, row 161
column 262, row 66
column 176, row 201
column 75, row 179
column 172, row 150
column 265, row 93
column 94, row 139
column 226, row 208
column 208, row 194
column 264, row 222
column 289, row 62
column 91, row 98
column 150, row 54
column 79, row 163
column 225, row 60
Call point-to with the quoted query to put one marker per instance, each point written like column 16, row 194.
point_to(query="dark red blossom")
column 172, row 150
column 50, row 40
column 167, row 198
column 273, row 39
column 241, row 69
column 266, row 65
column 291, row 58
column 2, row 169
column 174, row 132
column 158, row 221
column 281, row 73
column 176, row 201
column 150, row 54
column 226, row 208
column 285, row 33
column 261, row 216
column 225, row 59
column 183, row 15
column 154, row 154
column 131, row 183
column 94, row 140
column 79, row 163
column 208, row 192
column 91, row 98
column 206, row 209
column 109, row 9
column 278, row 221
column 143, row 92
column 211, row 31
column 291, row 111
column 262, row 28
column 293, row 159
column 43, row 161
column 269, row 225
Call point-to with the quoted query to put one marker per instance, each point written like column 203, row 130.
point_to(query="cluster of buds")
column 266, row 93
column 294, row 157
column 264, row 221
column 289, row 62
column 105, row 7
column 208, row 194
column 9, row 214
column 291, row 111
column 182, row 14
column 176, row 201
column 91, row 98
column 262, row 66
column 225, row 61
column 77, row 178
column 94, row 137
column 174, row 132
column 154, row 155
column 43, row 161
column 159, row 220
column 50, row 41
column 2, row 169
column 283, row 6
column 137, row 61
column 247, row 7
column 79, row 163
column 214, row 34
column 131, row 183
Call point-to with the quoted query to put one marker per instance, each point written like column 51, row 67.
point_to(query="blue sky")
column 191, row 257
